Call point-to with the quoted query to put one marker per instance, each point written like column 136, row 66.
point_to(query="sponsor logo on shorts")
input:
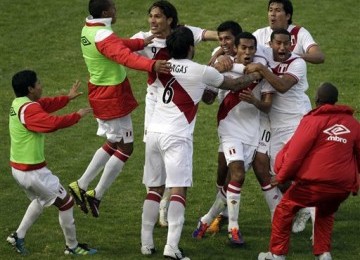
column 334, row 133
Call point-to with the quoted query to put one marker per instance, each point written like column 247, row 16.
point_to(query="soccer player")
column 311, row 159
column 163, row 19
column 169, row 140
column 288, row 77
column 302, row 43
column 29, row 119
column 111, row 98
column 238, row 130
column 227, row 32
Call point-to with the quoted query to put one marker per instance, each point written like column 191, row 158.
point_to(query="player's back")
column 177, row 102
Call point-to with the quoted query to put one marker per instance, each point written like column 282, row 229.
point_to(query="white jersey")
column 238, row 119
column 288, row 108
column 157, row 51
column 177, row 102
column 301, row 39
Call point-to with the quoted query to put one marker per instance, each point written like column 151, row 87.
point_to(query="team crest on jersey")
column 85, row 41
column 12, row 112
column 334, row 132
column 282, row 68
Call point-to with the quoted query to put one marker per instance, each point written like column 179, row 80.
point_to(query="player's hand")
column 273, row 181
column 226, row 61
column 162, row 66
column 213, row 59
column 73, row 93
column 149, row 40
column 247, row 96
column 253, row 67
column 84, row 111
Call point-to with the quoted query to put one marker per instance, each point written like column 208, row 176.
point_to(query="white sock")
column 112, row 169
column 218, row 206
column 233, row 195
column 272, row 196
column 101, row 156
column 32, row 213
column 176, row 219
column 67, row 223
column 149, row 217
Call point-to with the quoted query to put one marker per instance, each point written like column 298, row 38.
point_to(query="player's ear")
column 169, row 20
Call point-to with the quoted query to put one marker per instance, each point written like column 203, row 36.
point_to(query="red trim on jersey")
column 162, row 54
column 180, row 97
column 294, row 36
column 179, row 199
column 154, row 196
column 27, row 167
column 123, row 157
column 281, row 68
column 94, row 24
column 230, row 101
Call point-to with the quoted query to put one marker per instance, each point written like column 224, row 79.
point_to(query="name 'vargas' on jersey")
column 177, row 102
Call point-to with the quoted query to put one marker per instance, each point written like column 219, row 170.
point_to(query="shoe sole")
column 94, row 209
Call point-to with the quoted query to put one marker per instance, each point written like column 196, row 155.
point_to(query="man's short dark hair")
column 327, row 93
column 169, row 11
column 288, row 7
column 179, row 41
column 279, row 31
column 96, row 7
column 245, row 35
column 231, row 26
column 22, row 80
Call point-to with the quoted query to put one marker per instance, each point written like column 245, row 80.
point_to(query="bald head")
column 327, row 93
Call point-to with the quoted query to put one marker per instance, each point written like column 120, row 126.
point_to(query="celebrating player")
column 169, row 141
column 29, row 120
column 163, row 19
column 111, row 98
column 238, row 125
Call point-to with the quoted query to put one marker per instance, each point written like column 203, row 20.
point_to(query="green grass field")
column 44, row 36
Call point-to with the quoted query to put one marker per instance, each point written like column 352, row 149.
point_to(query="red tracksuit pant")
column 300, row 196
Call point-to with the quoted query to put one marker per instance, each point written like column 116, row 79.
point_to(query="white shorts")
column 168, row 160
column 116, row 129
column 235, row 150
column 265, row 134
column 40, row 184
column 279, row 137
column 150, row 102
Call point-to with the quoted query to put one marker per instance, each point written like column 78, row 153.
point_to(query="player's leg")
column 326, row 206
column 100, row 158
column 120, row 132
column 222, row 175
column 33, row 212
column 218, row 206
column 154, row 177
column 65, row 203
column 164, row 204
column 178, row 165
column 233, row 196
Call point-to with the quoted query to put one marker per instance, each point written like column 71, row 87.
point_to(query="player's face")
column 159, row 23
column 111, row 12
column 277, row 17
column 281, row 47
column 245, row 51
column 36, row 91
column 226, row 41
